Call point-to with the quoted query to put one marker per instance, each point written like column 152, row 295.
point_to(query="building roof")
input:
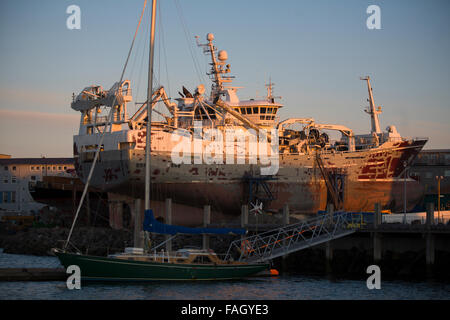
column 43, row 161
column 435, row 150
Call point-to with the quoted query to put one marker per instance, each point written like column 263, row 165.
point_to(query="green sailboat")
column 136, row 265
column 183, row 264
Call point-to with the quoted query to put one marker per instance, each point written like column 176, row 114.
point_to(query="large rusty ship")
column 219, row 150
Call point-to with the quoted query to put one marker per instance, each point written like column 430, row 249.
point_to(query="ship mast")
column 373, row 111
column 149, row 109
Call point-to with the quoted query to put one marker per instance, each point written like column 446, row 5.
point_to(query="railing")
column 295, row 237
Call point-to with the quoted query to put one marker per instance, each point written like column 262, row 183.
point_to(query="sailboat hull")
column 95, row 268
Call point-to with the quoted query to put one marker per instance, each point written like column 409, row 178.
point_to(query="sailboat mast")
column 149, row 109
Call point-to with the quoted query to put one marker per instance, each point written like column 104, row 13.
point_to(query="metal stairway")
column 294, row 237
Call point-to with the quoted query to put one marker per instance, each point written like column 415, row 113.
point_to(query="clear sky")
column 314, row 51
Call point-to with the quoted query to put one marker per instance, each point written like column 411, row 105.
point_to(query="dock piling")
column 206, row 222
column 377, row 240
column 168, row 218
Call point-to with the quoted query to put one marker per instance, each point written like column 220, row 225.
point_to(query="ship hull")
column 93, row 268
column 364, row 177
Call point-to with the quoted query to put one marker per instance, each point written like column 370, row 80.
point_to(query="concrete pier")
column 32, row 274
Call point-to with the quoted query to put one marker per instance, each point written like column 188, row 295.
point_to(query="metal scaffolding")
column 285, row 240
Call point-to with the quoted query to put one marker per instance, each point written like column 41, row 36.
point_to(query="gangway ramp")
column 294, row 237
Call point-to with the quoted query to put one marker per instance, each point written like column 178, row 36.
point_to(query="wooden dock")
column 33, row 274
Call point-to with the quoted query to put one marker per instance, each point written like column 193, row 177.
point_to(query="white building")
column 19, row 175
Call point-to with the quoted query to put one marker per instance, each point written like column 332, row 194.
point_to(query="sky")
column 314, row 51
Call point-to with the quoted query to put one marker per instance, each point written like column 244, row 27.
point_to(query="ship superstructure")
column 217, row 149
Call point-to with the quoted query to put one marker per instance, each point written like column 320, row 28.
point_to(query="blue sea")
column 285, row 287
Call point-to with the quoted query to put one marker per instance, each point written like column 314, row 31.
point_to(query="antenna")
column 218, row 65
column 269, row 87
column 372, row 110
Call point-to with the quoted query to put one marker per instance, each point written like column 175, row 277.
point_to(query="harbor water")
column 285, row 287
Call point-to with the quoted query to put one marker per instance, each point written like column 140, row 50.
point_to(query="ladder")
column 328, row 182
column 291, row 238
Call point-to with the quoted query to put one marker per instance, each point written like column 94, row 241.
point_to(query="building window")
column 33, row 178
column 249, row 110
column 59, row 168
column 428, row 175
column 49, row 168
column 6, row 168
column 32, row 168
column 263, row 110
column 5, row 180
column 5, row 197
column 255, row 110
column 65, row 168
column 54, row 168
column 447, row 173
column 13, row 179
column 14, row 168
column 13, row 196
